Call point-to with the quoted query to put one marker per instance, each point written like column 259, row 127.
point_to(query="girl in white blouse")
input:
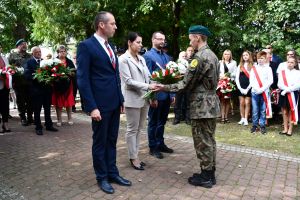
column 289, row 83
column 243, row 85
column 227, row 65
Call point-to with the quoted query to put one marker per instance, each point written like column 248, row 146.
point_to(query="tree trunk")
column 176, row 28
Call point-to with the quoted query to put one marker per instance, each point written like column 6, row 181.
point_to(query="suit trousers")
column 4, row 105
column 24, row 101
column 136, row 118
column 39, row 101
column 105, row 135
column 157, row 118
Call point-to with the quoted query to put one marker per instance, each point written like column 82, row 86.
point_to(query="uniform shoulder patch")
column 194, row 63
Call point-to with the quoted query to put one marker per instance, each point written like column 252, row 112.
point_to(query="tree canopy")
column 235, row 24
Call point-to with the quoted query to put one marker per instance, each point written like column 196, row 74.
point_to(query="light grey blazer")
column 135, row 78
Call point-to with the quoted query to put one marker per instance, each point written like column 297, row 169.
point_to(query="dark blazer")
column 98, row 82
column 36, row 88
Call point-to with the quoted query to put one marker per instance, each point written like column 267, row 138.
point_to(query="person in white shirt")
column 289, row 83
column 283, row 65
column 261, row 78
column 228, row 67
column 243, row 84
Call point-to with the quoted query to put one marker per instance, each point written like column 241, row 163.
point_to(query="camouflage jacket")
column 19, row 60
column 201, row 80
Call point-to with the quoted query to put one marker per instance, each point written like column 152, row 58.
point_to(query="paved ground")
column 58, row 166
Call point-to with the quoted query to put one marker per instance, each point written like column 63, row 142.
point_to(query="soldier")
column 19, row 59
column 201, row 81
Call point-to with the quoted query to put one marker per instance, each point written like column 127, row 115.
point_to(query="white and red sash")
column 266, row 96
column 245, row 72
column 292, row 100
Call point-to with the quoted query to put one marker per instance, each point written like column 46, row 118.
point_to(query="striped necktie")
column 110, row 55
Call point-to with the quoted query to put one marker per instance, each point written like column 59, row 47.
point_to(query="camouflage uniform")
column 201, row 81
column 21, row 86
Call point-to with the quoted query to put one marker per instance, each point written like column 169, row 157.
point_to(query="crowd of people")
column 31, row 95
column 109, row 84
column 265, row 86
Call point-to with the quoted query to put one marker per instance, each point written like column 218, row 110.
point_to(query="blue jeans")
column 157, row 118
column 258, row 110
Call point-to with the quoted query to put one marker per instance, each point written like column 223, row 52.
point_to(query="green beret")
column 198, row 29
column 19, row 42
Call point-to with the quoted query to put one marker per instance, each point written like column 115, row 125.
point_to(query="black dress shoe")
column 106, row 187
column 143, row 164
column 51, row 128
column 136, row 167
column 120, row 180
column 165, row 149
column 156, row 154
column 4, row 129
column 39, row 132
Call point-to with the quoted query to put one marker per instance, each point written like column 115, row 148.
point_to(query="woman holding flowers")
column 4, row 94
column 243, row 85
column 227, row 72
column 63, row 97
column 135, row 83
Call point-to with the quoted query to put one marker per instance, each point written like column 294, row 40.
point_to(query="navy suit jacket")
column 36, row 88
column 98, row 82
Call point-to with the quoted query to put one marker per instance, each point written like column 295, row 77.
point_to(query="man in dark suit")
column 40, row 93
column 99, row 83
column 274, row 58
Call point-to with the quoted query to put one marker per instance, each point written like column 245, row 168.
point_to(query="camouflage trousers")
column 203, row 131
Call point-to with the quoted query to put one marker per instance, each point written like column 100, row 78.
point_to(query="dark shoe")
column 289, row 134
column 5, row 129
column 282, row 133
column 175, row 121
column 263, row 130
column 203, row 180
column 136, row 167
column 39, row 132
column 213, row 177
column 120, row 180
column 143, row 164
column 24, row 122
column 253, row 129
column 51, row 128
column 156, row 154
column 106, row 187
column 165, row 149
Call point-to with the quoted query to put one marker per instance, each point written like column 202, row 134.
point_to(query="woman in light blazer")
column 135, row 83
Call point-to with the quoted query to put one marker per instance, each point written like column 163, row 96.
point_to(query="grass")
column 235, row 134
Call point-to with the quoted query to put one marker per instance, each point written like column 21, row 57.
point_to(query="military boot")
column 203, row 180
column 213, row 178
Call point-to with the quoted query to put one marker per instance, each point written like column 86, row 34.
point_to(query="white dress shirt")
column 266, row 76
column 292, row 77
column 102, row 41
